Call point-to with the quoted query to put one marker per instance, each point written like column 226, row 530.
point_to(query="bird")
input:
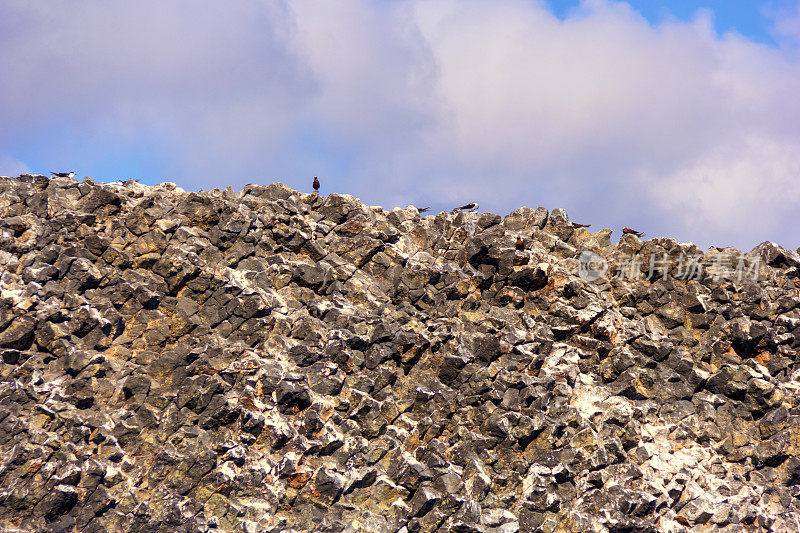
column 576, row 225
column 316, row 184
column 472, row 206
column 424, row 209
column 520, row 245
column 63, row 174
column 629, row 231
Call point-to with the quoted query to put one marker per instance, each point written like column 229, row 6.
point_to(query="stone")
column 423, row 501
column 558, row 224
column 19, row 334
column 524, row 219
column 529, row 278
column 271, row 360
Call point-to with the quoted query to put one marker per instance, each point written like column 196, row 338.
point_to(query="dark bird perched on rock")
column 424, row 209
column 316, row 184
column 576, row 225
column 520, row 245
column 63, row 174
column 472, row 206
column 629, row 231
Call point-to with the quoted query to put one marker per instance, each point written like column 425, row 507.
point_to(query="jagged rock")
column 279, row 361
column 526, row 219
column 530, row 278
column 776, row 256
column 558, row 224
column 19, row 333
column 423, row 501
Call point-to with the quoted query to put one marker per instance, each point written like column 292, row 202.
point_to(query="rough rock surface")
column 274, row 361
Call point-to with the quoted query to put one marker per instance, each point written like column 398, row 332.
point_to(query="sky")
column 677, row 118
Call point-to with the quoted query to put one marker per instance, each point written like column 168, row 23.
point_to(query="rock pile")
column 270, row 361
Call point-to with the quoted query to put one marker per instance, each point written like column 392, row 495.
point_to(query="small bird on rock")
column 576, row 225
column 629, row 231
column 316, row 184
column 424, row 209
column 520, row 245
column 472, row 206
column 63, row 174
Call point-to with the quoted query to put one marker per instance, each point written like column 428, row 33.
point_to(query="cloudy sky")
column 678, row 118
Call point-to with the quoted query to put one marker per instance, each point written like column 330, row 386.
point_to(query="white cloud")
column 371, row 67
column 669, row 128
column 601, row 109
column 209, row 80
column 748, row 188
column 10, row 166
column 786, row 26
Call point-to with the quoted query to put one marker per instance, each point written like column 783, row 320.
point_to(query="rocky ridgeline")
column 274, row 361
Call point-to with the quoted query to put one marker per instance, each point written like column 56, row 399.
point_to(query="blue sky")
column 678, row 118
column 749, row 18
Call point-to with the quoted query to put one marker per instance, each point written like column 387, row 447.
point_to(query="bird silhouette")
column 424, row 209
column 576, row 225
column 629, row 231
column 316, row 184
column 472, row 206
column 520, row 245
column 63, row 174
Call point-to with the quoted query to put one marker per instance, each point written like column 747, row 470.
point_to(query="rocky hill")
column 268, row 361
